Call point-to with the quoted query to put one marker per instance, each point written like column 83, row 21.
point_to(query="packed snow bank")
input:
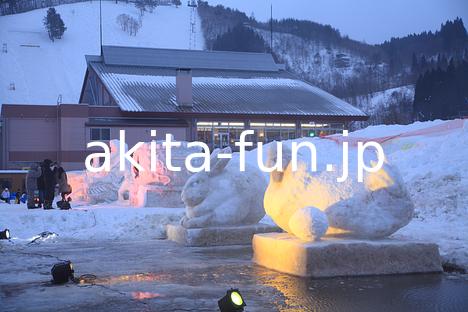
column 433, row 164
column 434, row 168
column 88, row 222
column 36, row 70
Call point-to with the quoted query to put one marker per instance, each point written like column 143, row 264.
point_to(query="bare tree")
column 129, row 24
column 122, row 21
column 134, row 26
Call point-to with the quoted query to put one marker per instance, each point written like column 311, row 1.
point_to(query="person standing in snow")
column 49, row 182
column 5, row 195
column 62, row 180
column 17, row 197
column 32, row 183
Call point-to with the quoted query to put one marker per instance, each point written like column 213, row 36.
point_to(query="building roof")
column 194, row 59
column 144, row 80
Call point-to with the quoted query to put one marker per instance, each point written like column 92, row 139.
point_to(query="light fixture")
column 232, row 301
column 5, row 234
column 62, row 272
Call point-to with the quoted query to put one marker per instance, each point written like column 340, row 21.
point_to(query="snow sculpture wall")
column 104, row 187
column 225, row 196
column 162, row 187
column 375, row 208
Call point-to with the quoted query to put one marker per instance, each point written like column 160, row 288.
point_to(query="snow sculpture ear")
column 218, row 165
column 272, row 158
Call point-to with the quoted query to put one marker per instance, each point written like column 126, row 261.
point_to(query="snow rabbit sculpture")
column 224, row 196
column 309, row 204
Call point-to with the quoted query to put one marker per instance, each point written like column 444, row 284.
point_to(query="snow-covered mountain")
column 35, row 70
column 386, row 107
column 332, row 67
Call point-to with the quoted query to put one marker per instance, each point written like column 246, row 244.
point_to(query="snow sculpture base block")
column 340, row 257
column 163, row 196
column 217, row 236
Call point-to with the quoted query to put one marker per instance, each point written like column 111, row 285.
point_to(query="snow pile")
column 36, row 70
column 88, row 222
column 433, row 166
column 434, row 169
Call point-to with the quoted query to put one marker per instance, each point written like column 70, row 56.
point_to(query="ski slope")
column 41, row 70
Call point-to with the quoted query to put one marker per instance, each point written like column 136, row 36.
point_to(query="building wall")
column 29, row 139
column 134, row 135
column 33, row 133
column 13, row 180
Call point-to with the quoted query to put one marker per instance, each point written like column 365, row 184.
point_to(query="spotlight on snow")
column 5, row 234
column 232, row 301
column 62, row 272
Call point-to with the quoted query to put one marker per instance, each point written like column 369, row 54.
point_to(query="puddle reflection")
column 142, row 295
column 269, row 289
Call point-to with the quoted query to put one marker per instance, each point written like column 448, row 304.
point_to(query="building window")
column 219, row 134
column 313, row 129
column 100, row 134
column 273, row 131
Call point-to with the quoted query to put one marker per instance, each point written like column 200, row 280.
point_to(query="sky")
column 372, row 21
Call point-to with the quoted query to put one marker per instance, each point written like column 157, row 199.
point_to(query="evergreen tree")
column 54, row 24
column 414, row 64
column 442, row 93
column 177, row 3
column 241, row 39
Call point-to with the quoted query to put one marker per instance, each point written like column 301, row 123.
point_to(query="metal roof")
column 171, row 58
column 153, row 89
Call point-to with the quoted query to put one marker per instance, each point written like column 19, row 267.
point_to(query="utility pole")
column 100, row 25
column 271, row 28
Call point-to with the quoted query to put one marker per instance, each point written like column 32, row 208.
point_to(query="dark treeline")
column 442, row 93
column 422, row 64
column 451, row 39
column 241, row 39
column 217, row 20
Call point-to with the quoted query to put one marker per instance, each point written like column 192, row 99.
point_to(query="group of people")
column 41, row 181
column 18, row 196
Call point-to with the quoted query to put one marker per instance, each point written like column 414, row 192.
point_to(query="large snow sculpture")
column 161, row 187
column 225, row 196
column 374, row 208
column 105, row 187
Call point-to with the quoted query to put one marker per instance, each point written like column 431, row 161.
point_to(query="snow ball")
column 308, row 224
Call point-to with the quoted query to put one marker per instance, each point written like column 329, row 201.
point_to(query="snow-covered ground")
column 431, row 157
column 83, row 222
column 40, row 70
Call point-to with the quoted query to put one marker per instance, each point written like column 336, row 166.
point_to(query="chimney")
column 184, row 87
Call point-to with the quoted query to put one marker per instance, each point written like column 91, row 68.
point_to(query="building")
column 194, row 95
